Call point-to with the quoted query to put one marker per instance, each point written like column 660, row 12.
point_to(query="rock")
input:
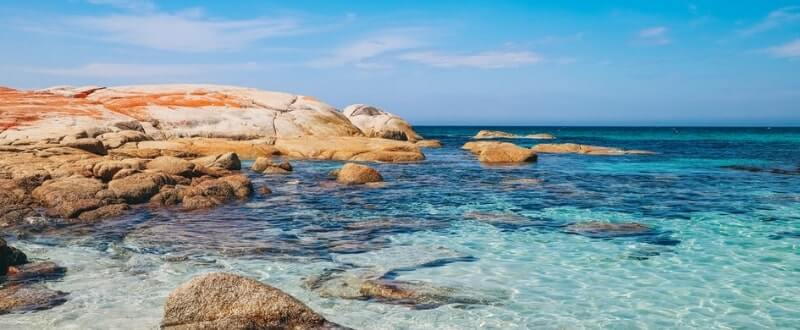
column 26, row 298
column 68, row 197
column 10, row 256
column 265, row 165
column 352, row 173
column 428, row 144
column 227, row 301
column 168, row 196
column 140, row 187
column 264, row 190
column 87, row 144
column 107, row 170
column 374, row 122
column 29, row 179
column 115, row 140
column 349, row 149
column 500, row 152
column 489, row 134
column 36, row 271
column 212, row 192
column 596, row 229
column 104, row 212
column 227, row 161
column 172, row 165
column 572, row 148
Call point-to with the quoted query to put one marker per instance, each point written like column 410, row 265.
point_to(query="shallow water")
column 724, row 253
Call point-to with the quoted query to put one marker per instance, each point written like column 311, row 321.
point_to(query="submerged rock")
column 352, row 173
column 227, row 301
column 500, row 152
column 572, row 148
column 16, row 298
column 489, row 134
column 756, row 169
column 596, row 229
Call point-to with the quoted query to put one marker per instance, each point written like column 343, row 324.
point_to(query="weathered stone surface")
column 10, row 256
column 489, row 134
column 352, row 173
column 115, row 140
column 500, row 152
column 572, row 148
column 140, row 187
column 26, row 298
column 172, row 165
column 374, row 122
column 227, row 301
column 227, row 161
column 265, row 165
column 87, row 144
column 70, row 196
column 107, row 170
column 349, row 149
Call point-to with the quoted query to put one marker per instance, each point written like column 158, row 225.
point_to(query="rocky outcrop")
column 266, row 166
column 572, row 148
column 488, row 134
column 352, row 173
column 227, row 301
column 374, row 122
column 491, row 152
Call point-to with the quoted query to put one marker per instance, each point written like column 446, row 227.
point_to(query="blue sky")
column 436, row 62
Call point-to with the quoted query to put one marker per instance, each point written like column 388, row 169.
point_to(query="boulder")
column 68, row 197
column 572, row 148
column 374, row 122
column 104, row 212
column 265, row 165
column 227, row 301
column 86, row 144
column 500, row 152
column 208, row 193
column 17, row 298
column 352, row 173
column 140, row 187
column 227, row 161
column 10, row 256
column 172, row 165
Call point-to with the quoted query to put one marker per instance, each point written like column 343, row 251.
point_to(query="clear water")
column 726, row 253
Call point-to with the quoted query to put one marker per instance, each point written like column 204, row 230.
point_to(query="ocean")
column 721, row 250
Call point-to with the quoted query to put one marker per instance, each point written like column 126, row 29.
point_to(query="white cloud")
column 119, row 70
column 788, row 50
column 484, row 60
column 189, row 32
column 774, row 19
column 362, row 51
column 656, row 35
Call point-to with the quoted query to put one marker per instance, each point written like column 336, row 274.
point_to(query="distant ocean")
column 722, row 249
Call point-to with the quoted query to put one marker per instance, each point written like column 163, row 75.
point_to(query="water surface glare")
column 722, row 249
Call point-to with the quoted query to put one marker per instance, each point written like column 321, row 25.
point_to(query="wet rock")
column 172, row 165
column 70, row 196
column 265, row 165
column 500, row 152
column 86, row 144
column 596, row 229
column 352, row 173
column 227, row 301
column 428, row 144
column 572, row 148
column 489, row 134
column 140, row 187
column 104, row 212
column 37, row 271
column 212, row 192
column 227, row 161
column 25, row 298
column 10, row 256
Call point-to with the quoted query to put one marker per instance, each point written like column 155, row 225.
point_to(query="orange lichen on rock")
column 135, row 105
column 20, row 108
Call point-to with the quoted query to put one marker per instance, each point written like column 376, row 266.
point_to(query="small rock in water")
column 10, row 256
column 266, row 166
column 36, row 271
column 226, row 161
column 26, row 298
column 352, row 173
column 227, row 301
column 491, row 152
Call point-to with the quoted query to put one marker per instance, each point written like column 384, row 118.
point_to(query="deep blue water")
column 722, row 249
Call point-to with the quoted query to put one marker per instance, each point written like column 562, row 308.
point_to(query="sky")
column 664, row 63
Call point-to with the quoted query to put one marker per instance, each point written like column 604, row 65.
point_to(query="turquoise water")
column 724, row 251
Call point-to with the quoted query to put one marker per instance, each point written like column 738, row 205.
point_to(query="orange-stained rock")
column 491, row 152
column 352, row 173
